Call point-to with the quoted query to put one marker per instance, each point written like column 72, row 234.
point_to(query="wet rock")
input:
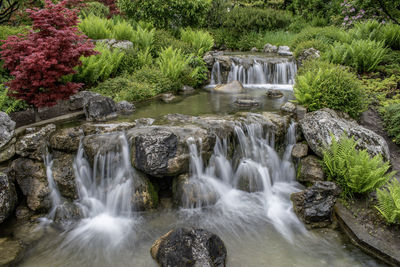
column 288, row 107
column 144, row 122
column 66, row 139
column 248, row 178
column 91, row 128
column 254, row 50
column 125, row 108
column 30, row 231
column 78, row 101
column 234, row 87
column 145, row 197
column 243, row 102
column 7, row 127
column 23, row 212
column 8, row 151
column 8, row 197
column 112, row 43
column 284, row 51
column 318, row 126
column 99, row 144
column 100, row 108
column 314, row 206
column 167, row 97
column 187, row 90
column 300, row 112
column 299, row 151
column 10, row 251
column 209, row 59
column 308, row 54
column 310, row 170
column 192, row 192
column 31, row 178
column 269, row 48
column 67, row 214
column 33, row 145
column 189, row 247
column 225, row 62
column 272, row 93
column 64, row 176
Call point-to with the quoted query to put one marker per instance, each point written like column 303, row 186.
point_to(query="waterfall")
column 258, row 73
column 253, row 185
column 55, row 195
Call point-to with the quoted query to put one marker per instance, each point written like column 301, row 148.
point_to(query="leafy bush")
column 143, row 38
column 324, row 85
column 363, row 55
column 315, row 8
column 276, row 38
column 173, row 63
column 354, row 170
column 99, row 67
column 217, row 13
column 241, row 20
column 391, row 118
column 389, row 202
column 123, row 31
column 391, row 35
column 201, row 41
column 96, row 28
column 327, row 35
column 9, row 104
column 224, row 38
column 167, row 13
column 314, row 43
column 247, row 41
column 366, row 30
column 96, row 8
column 164, row 39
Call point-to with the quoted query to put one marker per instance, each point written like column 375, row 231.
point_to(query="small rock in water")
column 125, row 108
column 269, row 48
column 314, row 205
column 254, row 50
column 310, row 170
column 234, row 87
column 189, row 247
column 288, row 107
column 187, row 90
column 167, row 97
column 10, row 251
column 273, row 93
column 242, row 102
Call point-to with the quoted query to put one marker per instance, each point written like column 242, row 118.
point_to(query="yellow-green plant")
column 389, row 202
column 96, row 28
column 99, row 67
column 173, row 63
column 143, row 38
column 144, row 57
column 123, row 31
column 354, row 170
column 391, row 35
column 200, row 40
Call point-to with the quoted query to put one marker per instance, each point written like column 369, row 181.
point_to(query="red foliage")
column 41, row 59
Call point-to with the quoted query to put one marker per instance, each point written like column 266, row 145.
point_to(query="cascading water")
column 252, row 186
column 216, row 77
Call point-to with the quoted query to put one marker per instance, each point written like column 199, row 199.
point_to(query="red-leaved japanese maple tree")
column 41, row 59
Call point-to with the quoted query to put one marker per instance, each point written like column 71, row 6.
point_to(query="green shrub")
column 6, row 31
column 354, row 170
column 298, row 24
column 327, row 35
column 143, row 38
column 314, row 43
column 123, row 31
column 224, row 38
column 366, row 30
column 247, row 41
column 389, row 202
column 201, row 41
column 391, row 35
column 241, row 20
column 324, row 85
column 173, row 63
column 96, row 27
column 164, row 39
column 129, row 62
column 363, row 55
column 99, row 67
column 9, row 104
column 145, row 58
column 217, row 13
column 276, row 38
column 167, row 13
column 112, row 87
column 391, row 118
column 96, row 8
column 315, row 8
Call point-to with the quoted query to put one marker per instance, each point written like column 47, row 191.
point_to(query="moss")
column 153, row 194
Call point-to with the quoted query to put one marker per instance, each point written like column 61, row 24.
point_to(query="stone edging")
column 362, row 239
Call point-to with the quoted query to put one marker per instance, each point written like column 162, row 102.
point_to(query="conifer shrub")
column 354, row 170
column 321, row 84
column 389, row 202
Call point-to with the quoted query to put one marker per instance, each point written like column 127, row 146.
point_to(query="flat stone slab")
column 385, row 248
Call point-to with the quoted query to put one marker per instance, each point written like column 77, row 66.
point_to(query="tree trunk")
column 36, row 113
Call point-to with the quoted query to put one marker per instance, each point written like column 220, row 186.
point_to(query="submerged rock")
column 7, row 127
column 10, row 251
column 100, row 108
column 125, row 108
column 33, row 145
column 273, row 93
column 310, row 170
column 67, row 213
column 187, row 90
column 243, row 102
column 234, row 87
column 318, row 126
column 8, row 197
column 168, row 97
column 32, row 179
column 314, row 206
column 189, row 247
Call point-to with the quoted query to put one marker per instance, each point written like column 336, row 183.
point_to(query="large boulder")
column 7, row 127
column 64, row 176
column 32, row 179
column 8, row 151
column 314, row 206
column 92, row 128
column 8, row 197
column 119, row 44
column 234, row 87
column 125, row 108
column 78, row 101
column 310, row 170
column 162, row 150
column 100, row 108
column 318, row 126
column 66, row 139
column 189, row 247
column 33, row 144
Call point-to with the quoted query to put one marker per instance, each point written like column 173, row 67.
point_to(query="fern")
column 123, row 31
column 355, row 171
column 96, row 28
column 391, row 118
column 389, row 202
column 8, row 104
column 201, row 41
column 143, row 38
column 173, row 63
